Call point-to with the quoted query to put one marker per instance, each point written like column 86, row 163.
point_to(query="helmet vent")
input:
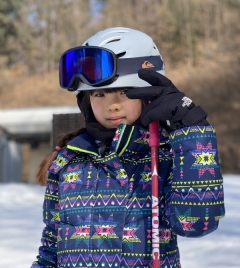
column 114, row 40
column 121, row 54
column 154, row 47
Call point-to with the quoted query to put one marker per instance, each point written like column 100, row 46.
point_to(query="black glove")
column 167, row 102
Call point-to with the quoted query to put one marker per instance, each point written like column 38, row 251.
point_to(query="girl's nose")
column 114, row 107
column 113, row 102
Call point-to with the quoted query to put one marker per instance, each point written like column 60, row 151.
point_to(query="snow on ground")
column 21, row 226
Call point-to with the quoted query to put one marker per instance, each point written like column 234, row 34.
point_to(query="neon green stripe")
column 80, row 150
column 129, row 137
column 120, row 138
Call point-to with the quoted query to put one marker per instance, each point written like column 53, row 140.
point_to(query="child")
column 97, row 207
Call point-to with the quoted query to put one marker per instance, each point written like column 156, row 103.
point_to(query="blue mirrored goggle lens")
column 94, row 64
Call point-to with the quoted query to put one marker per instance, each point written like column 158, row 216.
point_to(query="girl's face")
column 114, row 108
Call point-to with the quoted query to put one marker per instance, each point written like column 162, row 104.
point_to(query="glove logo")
column 147, row 64
column 186, row 101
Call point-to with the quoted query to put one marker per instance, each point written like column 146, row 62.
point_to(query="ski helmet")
column 133, row 49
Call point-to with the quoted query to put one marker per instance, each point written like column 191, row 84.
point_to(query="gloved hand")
column 167, row 102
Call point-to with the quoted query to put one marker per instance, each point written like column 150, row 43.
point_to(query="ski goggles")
column 97, row 66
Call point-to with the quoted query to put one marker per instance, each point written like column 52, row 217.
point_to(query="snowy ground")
column 21, row 226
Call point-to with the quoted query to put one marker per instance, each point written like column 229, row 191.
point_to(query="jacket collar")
column 127, row 140
column 130, row 139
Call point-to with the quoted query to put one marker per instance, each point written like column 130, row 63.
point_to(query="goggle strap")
column 133, row 65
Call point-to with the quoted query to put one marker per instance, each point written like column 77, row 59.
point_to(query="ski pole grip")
column 154, row 134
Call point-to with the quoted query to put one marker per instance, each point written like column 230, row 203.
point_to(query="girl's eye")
column 98, row 94
column 124, row 91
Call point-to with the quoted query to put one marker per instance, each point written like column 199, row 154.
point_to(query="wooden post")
column 64, row 124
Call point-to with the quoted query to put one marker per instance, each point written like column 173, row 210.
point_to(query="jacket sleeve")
column 47, row 257
column 195, row 203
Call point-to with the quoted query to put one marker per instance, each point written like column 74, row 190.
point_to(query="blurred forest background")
column 198, row 39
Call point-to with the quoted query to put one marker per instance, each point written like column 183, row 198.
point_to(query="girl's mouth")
column 116, row 120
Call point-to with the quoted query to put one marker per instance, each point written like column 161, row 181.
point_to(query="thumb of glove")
column 154, row 78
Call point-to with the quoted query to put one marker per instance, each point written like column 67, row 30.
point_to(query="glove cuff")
column 193, row 116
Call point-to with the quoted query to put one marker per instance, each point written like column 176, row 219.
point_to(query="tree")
column 10, row 14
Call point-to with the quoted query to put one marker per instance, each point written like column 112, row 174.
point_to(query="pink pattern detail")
column 165, row 234
column 181, row 174
column 72, row 185
column 149, row 234
column 116, row 165
column 187, row 226
column 144, row 135
column 69, row 156
column 201, row 147
column 205, row 226
column 73, row 168
column 146, row 167
column 201, row 171
column 116, row 137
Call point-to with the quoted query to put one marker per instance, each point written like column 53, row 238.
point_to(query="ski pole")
column 154, row 143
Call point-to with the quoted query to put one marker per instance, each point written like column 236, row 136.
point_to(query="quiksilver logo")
column 147, row 64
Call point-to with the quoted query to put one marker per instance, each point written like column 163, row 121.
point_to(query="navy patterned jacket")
column 97, row 209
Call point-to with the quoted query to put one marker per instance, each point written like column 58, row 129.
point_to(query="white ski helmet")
column 129, row 44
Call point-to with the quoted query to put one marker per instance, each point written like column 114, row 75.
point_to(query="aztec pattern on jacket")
column 97, row 209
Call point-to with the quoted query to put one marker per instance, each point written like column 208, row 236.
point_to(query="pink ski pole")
column 154, row 143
